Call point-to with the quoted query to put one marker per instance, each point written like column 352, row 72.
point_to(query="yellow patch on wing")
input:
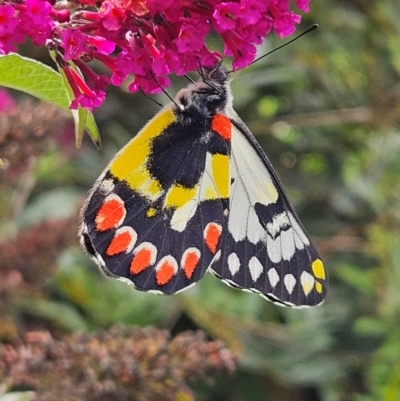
column 216, row 179
column 220, row 172
column 130, row 163
column 318, row 269
column 141, row 181
column 318, row 287
column 151, row 212
column 178, row 195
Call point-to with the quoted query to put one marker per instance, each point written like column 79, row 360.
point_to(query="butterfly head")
column 208, row 96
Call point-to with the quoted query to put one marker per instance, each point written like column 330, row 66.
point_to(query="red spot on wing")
column 123, row 241
column 111, row 213
column 190, row 260
column 222, row 125
column 166, row 269
column 212, row 233
column 145, row 256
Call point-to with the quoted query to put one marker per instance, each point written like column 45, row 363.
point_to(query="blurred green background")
column 327, row 112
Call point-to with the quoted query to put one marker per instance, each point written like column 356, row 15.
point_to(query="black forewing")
column 177, row 157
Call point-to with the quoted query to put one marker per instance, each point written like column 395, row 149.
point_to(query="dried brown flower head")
column 123, row 363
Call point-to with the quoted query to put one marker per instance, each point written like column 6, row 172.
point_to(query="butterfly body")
column 194, row 192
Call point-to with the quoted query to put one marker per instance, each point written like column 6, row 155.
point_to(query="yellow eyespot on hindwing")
column 194, row 192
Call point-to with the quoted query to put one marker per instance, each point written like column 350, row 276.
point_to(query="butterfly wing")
column 264, row 248
column 155, row 216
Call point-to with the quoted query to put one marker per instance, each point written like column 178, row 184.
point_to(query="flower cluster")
column 146, row 39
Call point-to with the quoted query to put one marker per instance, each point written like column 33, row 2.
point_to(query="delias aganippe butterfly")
column 194, row 192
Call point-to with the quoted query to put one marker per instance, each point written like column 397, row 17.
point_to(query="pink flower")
column 112, row 17
column 225, row 16
column 158, row 6
column 148, row 83
column 303, row 5
column 39, row 12
column 166, row 63
column 7, row 21
column 74, row 43
column 36, row 21
column 146, row 39
column 190, row 37
column 284, row 21
column 84, row 96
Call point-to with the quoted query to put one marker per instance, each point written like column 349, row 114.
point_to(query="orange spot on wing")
column 212, row 234
column 120, row 243
column 110, row 214
column 222, row 125
column 190, row 261
column 140, row 261
column 166, row 270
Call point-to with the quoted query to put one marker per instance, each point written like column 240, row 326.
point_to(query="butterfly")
column 193, row 192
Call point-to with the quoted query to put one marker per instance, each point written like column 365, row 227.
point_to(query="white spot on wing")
column 274, row 249
column 298, row 242
column 273, row 277
column 307, row 282
column 233, row 263
column 287, row 242
column 183, row 214
column 278, row 222
column 106, row 186
column 255, row 231
column 289, row 237
column 256, row 268
column 290, row 282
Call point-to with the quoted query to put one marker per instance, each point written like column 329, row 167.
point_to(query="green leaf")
column 39, row 80
column 33, row 77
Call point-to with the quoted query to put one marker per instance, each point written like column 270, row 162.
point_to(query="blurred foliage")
column 327, row 112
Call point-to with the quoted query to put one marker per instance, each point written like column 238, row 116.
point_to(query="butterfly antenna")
column 200, row 71
column 148, row 97
column 189, row 79
column 310, row 29
column 164, row 91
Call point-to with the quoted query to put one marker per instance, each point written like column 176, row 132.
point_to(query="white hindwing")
column 264, row 248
